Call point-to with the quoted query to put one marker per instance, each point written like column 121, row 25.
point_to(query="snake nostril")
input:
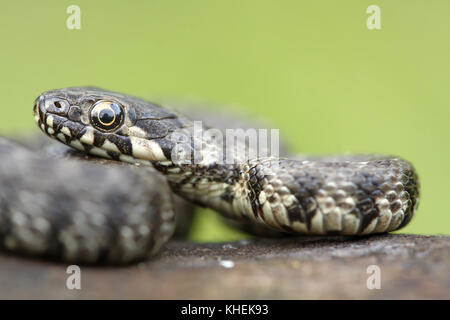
column 56, row 105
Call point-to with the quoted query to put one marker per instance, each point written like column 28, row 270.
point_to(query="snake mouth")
column 71, row 132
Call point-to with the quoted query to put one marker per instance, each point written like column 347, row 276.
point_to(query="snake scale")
column 124, row 213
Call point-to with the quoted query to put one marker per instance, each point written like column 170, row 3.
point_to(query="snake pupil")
column 106, row 116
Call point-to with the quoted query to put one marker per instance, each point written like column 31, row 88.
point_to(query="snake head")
column 106, row 124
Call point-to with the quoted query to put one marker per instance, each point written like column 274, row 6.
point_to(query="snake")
column 120, row 209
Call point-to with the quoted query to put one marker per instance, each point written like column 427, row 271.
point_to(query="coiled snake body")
column 111, row 220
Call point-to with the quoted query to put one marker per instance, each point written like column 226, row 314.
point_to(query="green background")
column 311, row 67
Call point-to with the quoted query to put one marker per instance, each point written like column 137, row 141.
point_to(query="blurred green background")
column 312, row 67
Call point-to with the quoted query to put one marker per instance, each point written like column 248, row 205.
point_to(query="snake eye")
column 106, row 115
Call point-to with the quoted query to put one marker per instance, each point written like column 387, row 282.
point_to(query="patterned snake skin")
column 87, row 214
column 346, row 195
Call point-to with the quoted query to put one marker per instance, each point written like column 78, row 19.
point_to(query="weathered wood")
column 411, row 266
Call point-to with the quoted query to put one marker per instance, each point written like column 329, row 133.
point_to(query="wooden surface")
column 411, row 266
